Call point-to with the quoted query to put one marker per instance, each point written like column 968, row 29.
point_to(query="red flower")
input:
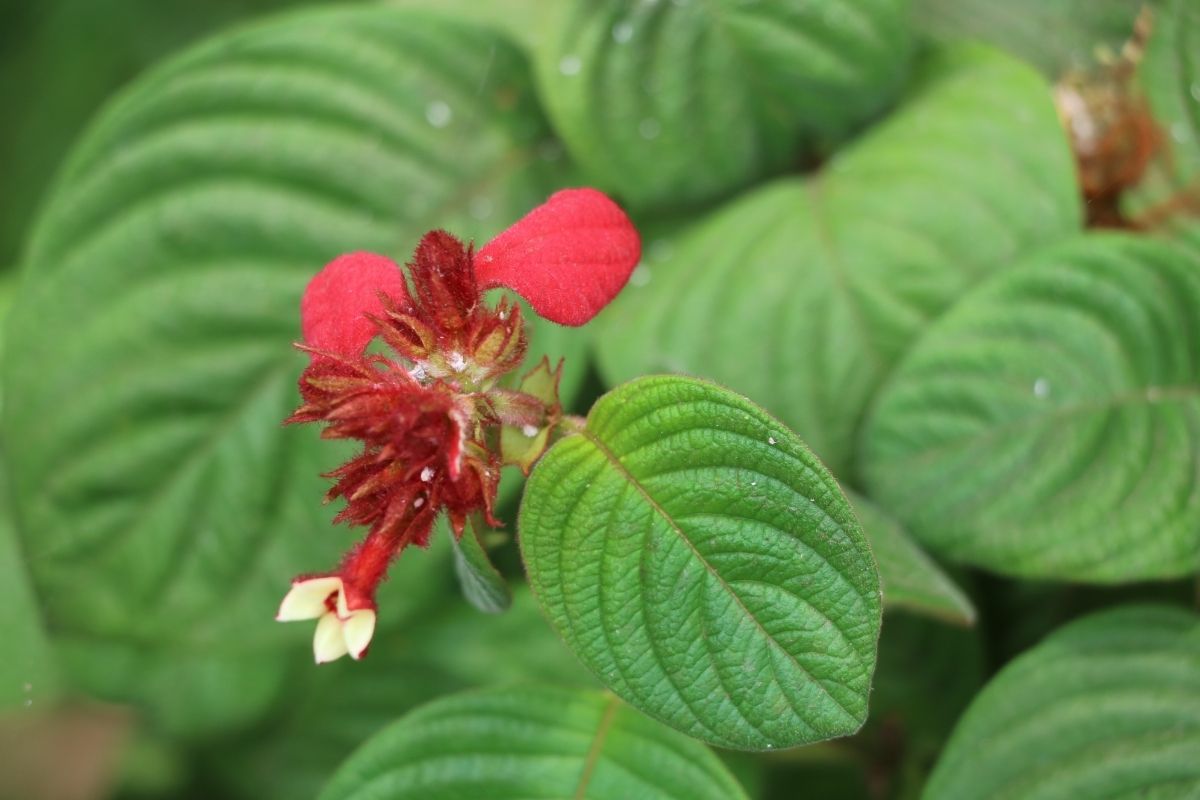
column 425, row 413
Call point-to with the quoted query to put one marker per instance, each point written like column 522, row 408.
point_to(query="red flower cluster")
column 429, row 413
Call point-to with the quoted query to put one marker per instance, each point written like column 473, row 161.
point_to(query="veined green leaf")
column 699, row 559
column 911, row 579
column 157, row 495
column 1169, row 77
column 1106, row 707
column 481, row 583
column 680, row 102
column 531, row 742
column 1049, row 424
column 805, row 293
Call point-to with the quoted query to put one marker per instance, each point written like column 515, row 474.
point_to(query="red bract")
column 428, row 414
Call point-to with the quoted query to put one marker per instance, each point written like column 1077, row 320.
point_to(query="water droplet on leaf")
column 438, row 114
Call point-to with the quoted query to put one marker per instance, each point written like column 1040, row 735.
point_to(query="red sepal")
column 568, row 257
column 335, row 307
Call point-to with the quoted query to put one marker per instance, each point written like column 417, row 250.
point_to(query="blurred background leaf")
column 1047, row 425
column 672, row 104
column 803, row 294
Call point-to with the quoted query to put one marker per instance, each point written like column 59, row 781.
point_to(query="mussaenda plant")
column 436, row 425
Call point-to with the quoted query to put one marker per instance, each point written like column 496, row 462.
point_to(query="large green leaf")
column 157, row 495
column 328, row 712
column 1106, row 707
column 531, row 742
column 1055, row 35
column 1049, row 424
column 804, row 293
column 679, row 102
column 1169, row 77
column 911, row 579
column 700, row 560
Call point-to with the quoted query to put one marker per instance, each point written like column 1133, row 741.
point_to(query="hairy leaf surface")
column 699, row 559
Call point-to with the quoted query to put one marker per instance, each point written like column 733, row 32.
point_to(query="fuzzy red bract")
column 568, row 257
column 429, row 414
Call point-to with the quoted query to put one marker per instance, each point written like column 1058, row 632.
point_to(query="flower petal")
column 329, row 644
column 568, row 257
column 338, row 298
column 357, row 631
column 306, row 598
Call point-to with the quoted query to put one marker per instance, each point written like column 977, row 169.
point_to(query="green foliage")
column 1169, row 77
column 646, row 93
column 531, row 742
column 701, row 561
column 158, row 496
column 1046, row 426
column 1106, row 707
column 911, row 579
column 1056, row 36
column 864, row 223
column 805, row 293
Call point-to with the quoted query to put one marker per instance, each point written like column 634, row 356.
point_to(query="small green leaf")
column 482, row 584
column 699, row 559
column 1048, row 425
column 667, row 103
column 527, row 743
column 911, row 579
column 1169, row 77
column 157, row 495
column 805, row 293
column 1107, row 707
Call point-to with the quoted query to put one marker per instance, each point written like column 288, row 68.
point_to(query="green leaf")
column 804, row 294
column 158, row 497
column 911, row 579
column 1049, row 424
column 531, row 742
column 29, row 674
column 1169, row 77
column 1106, row 707
column 700, row 560
column 482, row 584
column 681, row 102
column 1054, row 35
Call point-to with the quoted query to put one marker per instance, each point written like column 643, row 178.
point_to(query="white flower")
column 339, row 630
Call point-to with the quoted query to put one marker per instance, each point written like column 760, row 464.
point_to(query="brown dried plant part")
column 1113, row 136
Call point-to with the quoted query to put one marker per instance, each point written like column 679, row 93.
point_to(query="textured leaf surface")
column 683, row 101
column 1106, row 707
column 1169, row 76
column 1054, row 35
column 1049, row 425
column 804, row 294
column 157, row 495
column 531, row 742
column 329, row 712
column 700, row 560
column 481, row 583
column 911, row 579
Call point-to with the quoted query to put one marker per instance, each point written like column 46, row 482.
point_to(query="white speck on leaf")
column 771, row 440
column 438, row 114
column 570, row 65
column 530, row 431
column 1041, row 388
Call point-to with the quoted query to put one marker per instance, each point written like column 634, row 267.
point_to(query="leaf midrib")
column 624, row 472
